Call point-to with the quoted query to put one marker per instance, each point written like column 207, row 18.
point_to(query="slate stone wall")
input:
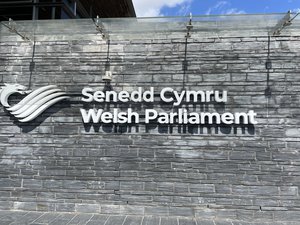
column 56, row 163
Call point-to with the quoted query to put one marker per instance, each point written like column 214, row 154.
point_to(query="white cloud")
column 223, row 8
column 149, row 8
column 185, row 8
column 221, row 4
column 234, row 11
column 297, row 10
column 218, row 6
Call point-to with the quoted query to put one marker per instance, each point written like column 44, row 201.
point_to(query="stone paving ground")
column 55, row 218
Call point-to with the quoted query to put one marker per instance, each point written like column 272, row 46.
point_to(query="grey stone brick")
column 131, row 185
column 158, row 210
column 131, row 210
column 50, row 184
column 293, row 132
column 65, row 207
column 29, row 206
column 66, row 129
column 87, row 208
column 216, row 77
column 202, row 188
column 19, row 150
column 73, row 184
column 5, row 205
column 31, row 183
column 163, row 199
column 181, row 211
column 5, row 182
column 110, row 209
column 45, row 206
column 242, row 155
column 287, row 216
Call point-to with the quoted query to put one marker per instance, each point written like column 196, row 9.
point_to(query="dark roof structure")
column 64, row 9
column 111, row 8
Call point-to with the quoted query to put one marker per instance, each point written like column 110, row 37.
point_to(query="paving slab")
column 62, row 219
column 133, row 220
column 80, row 219
column 184, row 221
column 98, row 220
column 114, row 220
column 169, row 221
column 57, row 218
column 46, row 218
column 151, row 220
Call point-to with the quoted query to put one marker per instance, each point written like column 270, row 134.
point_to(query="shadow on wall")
column 32, row 125
column 171, row 129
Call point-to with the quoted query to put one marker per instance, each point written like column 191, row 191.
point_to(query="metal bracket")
column 12, row 26
column 284, row 22
column 100, row 28
column 189, row 27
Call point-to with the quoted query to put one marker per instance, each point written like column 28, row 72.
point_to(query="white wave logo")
column 34, row 103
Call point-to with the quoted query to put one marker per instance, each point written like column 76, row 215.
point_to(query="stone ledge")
column 55, row 218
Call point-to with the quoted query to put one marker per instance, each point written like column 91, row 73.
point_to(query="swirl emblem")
column 35, row 103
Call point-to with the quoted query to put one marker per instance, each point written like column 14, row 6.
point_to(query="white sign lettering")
column 167, row 95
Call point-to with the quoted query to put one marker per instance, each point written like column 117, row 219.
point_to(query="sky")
column 154, row 8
